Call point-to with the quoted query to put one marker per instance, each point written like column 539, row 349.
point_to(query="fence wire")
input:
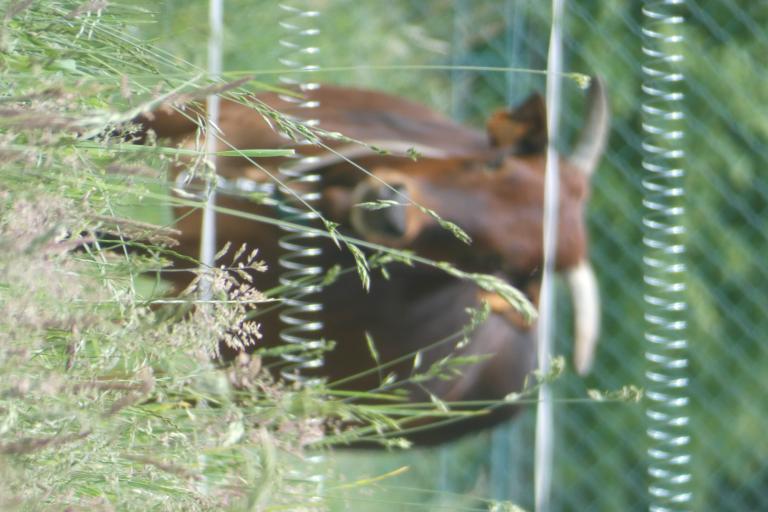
column 600, row 447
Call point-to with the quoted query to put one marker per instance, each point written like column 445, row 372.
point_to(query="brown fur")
column 489, row 184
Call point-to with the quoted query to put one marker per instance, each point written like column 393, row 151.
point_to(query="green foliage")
column 56, row 66
column 103, row 404
column 725, row 109
column 110, row 399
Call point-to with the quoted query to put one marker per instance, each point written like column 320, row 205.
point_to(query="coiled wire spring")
column 299, row 316
column 298, row 263
column 664, row 265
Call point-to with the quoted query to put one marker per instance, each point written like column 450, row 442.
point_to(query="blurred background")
column 600, row 447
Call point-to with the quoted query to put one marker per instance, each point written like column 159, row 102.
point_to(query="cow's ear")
column 522, row 130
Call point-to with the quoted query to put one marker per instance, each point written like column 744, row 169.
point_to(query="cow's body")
column 491, row 186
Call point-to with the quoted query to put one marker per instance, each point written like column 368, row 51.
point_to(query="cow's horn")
column 586, row 313
column 592, row 139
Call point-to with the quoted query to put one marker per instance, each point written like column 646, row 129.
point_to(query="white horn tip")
column 586, row 307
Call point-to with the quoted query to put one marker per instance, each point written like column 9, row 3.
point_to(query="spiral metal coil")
column 664, row 264
column 299, row 316
column 298, row 263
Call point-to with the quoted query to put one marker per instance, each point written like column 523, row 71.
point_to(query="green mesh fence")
column 600, row 448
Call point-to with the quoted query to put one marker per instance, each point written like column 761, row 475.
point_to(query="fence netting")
column 600, row 447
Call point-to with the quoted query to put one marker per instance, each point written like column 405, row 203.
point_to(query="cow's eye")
column 495, row 163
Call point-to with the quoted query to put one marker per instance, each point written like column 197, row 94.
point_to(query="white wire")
column 208, row 235
column 544, row 449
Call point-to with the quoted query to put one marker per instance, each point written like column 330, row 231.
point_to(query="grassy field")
column 107, row 401
column 106, row 405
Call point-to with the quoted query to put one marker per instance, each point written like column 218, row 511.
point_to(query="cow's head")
column 492, row 188
column 497, row 197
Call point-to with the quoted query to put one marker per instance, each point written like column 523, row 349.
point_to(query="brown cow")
column 491, row 185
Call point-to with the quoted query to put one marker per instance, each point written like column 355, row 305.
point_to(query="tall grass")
column 105, row 403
